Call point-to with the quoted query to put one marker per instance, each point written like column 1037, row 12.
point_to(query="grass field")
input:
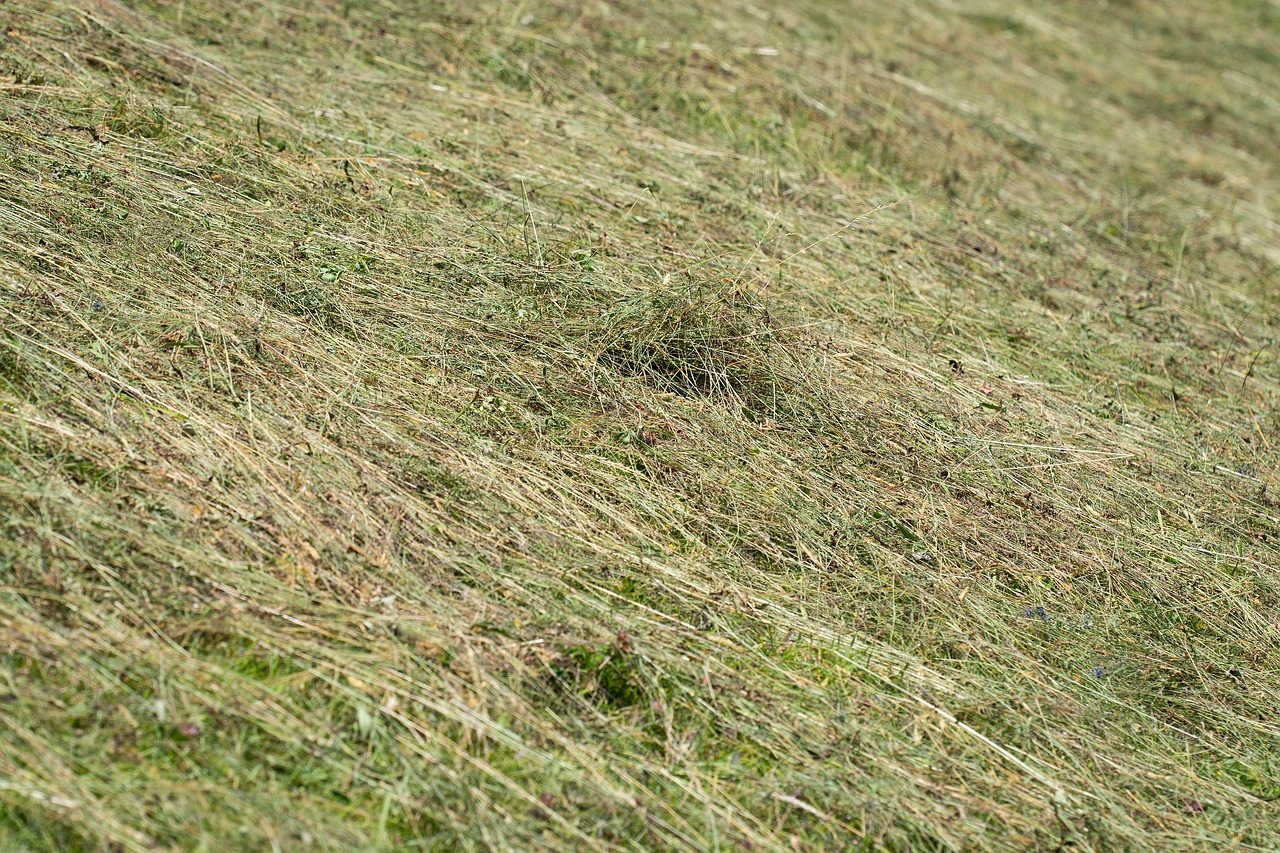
column 639, row 426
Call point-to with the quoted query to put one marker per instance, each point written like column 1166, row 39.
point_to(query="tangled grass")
column 638, row 426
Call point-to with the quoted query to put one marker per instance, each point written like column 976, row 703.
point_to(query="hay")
column 638, row 427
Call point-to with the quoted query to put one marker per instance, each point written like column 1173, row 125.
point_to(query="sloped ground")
column 639, row 426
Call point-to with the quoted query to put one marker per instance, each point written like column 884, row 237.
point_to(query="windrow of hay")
column 638, row 426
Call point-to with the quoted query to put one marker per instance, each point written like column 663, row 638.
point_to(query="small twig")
column 92, row 131
column 1249, row 372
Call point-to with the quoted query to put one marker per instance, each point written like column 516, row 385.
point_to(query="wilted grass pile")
column 638, row 426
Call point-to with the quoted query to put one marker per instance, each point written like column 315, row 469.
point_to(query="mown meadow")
column 639, row 426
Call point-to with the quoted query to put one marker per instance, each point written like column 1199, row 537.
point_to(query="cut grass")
column 639, row 427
